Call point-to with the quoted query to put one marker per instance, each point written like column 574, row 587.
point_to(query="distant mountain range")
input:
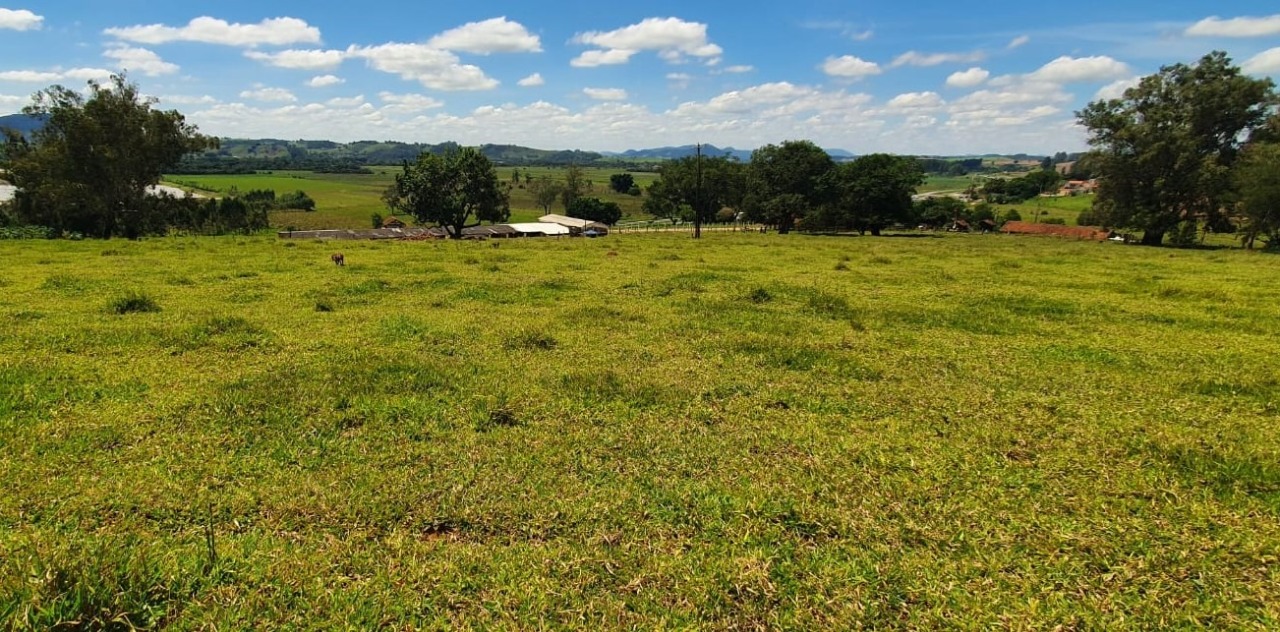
column 22, row 123
column 684, row 151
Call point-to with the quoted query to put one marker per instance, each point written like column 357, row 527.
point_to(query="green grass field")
column 639, row 432
column 349, row 200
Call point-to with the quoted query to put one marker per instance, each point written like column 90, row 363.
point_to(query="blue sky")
column 908, row 77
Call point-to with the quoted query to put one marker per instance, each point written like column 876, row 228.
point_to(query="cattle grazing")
column 338, row 259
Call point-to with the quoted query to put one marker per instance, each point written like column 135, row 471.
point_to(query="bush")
column 1054, row 220
column 595, row 210
column 133, row 303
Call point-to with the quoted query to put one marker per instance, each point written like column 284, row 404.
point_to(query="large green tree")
column 697, row 187
column 87, row 170
column 1165, row 149
column 784, row 182
column 872, row 192
column 456, row 190
column 1257, row 178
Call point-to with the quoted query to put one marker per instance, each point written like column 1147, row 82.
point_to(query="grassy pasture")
column 750, row 431
column 348, row 200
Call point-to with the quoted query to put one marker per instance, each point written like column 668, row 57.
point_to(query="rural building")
column 576, row 226
column 1078, row 187
column 393, row 222
column 541, row 229
column 1091, row 233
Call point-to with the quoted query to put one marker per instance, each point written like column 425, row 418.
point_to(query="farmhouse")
column 576, row 226
column 393, row 222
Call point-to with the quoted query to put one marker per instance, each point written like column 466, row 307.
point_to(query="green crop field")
column 638, row 432
column 349, row 200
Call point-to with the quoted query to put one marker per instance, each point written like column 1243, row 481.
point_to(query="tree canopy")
column 1165, row 149
column 784, row 182
column 88, row 169
column 596, row 210
column 871, row 193
column 454, row 191
column 1257, row 179
column 680, row 192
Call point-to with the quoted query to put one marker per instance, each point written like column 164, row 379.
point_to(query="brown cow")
column 338, row 259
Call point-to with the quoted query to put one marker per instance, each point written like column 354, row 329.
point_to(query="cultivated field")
column 348, row 200
column 639, row 432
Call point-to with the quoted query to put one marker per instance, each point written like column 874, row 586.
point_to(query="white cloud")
column 1018, row 118
column 679, row 80
column 188, row 100
column 269, row 94
column 1115, row 89
column 140, row 60
column 1019, row 42
column 270, row 32
column 76, row 74
column 606, row 94
column 431, row 67
column 532, row 81
column 593, row 58
column 1236, row 27
column 1081, row 70
column 916, row 101
column 300, row 59
column 970, row 78
column 408, row 102
column 671, row 38
column 346, row 102
column 850, row 67
column 496, row 35
column 847, row 29
column 1264, row 63
column 738, row 69
column 19, row 20
column 913, row 58
column 10, row 101
column 325, row 81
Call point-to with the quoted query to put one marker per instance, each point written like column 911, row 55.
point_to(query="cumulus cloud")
column 1116, row 89
column 1081, row 70
column 207, row 30
column 74, row 74
column 970, row 78
column 606, row 94
column 1005, row 120
column 1264, row 63
column 262, row 93
column 140, row 60
column 346, row 102
column 915, row 101
column 20, row 20
column 496, row 35
column 913, row 58
column 431, row 67
column 1019, row 42
column 10, row 101
column 593, row 58
column 325, row 81
column 532, row 81
column 672, row 38
column 850, row 67
column 408, row 102
column 188, row 100
column 1236, row 27
column 300, row 59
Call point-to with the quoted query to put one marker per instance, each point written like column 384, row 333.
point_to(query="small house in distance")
column 393, row 222
column 1088, row 233
column 576, row 226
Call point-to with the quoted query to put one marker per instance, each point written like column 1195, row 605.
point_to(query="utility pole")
column 697, row 196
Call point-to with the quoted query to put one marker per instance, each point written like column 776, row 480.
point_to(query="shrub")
column 133, row 303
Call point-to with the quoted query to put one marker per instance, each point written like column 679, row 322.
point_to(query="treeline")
column 235, row 156
column 157, row 214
